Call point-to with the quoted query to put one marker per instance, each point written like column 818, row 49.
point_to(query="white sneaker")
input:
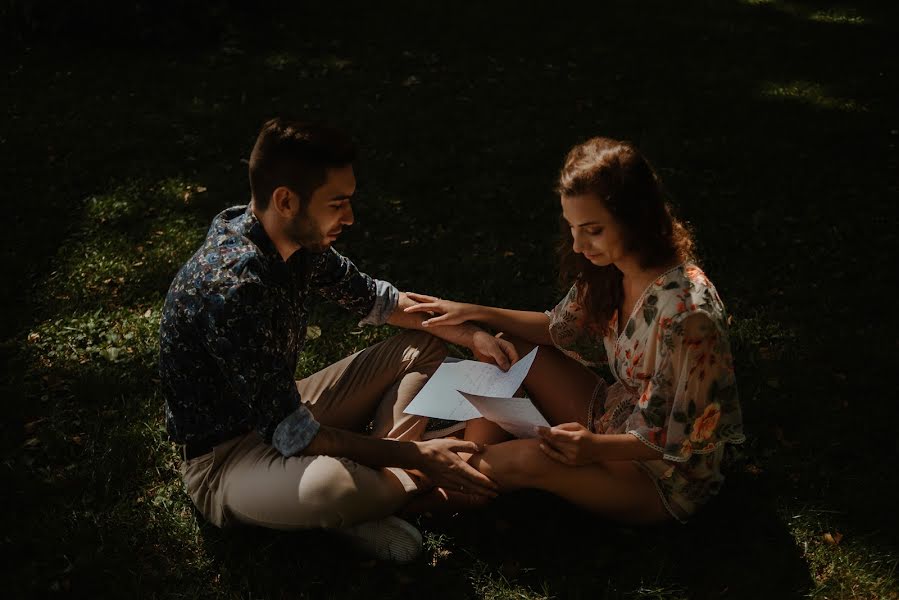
column 389, row 538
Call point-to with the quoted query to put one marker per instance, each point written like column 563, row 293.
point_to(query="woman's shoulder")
column 686, row 290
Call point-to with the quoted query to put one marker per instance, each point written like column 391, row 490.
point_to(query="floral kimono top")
column 674, row 383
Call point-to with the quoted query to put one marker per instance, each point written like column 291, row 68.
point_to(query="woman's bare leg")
column 615, row 489
column 559, row 386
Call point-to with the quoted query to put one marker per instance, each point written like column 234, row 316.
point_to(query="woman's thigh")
column 558, row 385
column 615, row 489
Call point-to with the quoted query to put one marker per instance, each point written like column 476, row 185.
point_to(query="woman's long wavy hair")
column 623, row 180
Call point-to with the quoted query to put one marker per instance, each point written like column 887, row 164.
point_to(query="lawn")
column 773, row 124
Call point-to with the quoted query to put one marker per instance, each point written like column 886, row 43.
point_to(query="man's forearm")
column 374, row 452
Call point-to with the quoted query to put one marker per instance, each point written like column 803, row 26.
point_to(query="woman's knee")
column 513, row 465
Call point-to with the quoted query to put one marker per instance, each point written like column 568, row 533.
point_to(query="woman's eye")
column 594, row 231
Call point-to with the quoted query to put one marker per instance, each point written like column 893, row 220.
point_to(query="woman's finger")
column 424, row 307
column 421, row 297
column 554, row 454
column 551, row 435
column 436, row 321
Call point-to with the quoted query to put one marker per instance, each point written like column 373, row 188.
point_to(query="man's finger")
column 501, row 360
column 479, row 478
column 555, row 454
column 465, row 446
column 510, row 350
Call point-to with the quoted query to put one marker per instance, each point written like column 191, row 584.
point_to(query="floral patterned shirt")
column 233, row 324
column 674, row 386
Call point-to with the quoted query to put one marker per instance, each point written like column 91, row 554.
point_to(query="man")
column 259, row 447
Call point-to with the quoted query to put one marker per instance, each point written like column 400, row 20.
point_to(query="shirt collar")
column 256, row 233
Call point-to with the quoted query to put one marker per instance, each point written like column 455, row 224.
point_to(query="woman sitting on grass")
column 650, row 446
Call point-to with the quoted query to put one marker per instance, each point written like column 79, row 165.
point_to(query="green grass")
column 773, row 125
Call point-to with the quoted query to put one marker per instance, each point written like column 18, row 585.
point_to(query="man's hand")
column 494, row 350
column 569, row 443
column 446, row 469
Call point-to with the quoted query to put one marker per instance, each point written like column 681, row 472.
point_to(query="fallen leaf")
column 833, row 539
column 313, row 332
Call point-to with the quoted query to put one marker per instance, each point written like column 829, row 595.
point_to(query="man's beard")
column 304, row 230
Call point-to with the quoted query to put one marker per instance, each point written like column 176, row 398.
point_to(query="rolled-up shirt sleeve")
column 336, row 278
column 385, row 303
column 239, row 336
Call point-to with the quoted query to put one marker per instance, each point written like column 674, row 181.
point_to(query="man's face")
column 319, row 224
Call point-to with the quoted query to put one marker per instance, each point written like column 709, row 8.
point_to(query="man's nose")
column 347, row 217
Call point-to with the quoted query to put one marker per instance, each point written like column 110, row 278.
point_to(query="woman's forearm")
column 530, row 326
column 622, row 446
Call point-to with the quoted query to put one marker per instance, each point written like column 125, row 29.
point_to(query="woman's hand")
column 494, row 350
column 569, row 443
column 448, row 312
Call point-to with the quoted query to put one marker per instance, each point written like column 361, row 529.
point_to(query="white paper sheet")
column 441, row 398
column 518, row 416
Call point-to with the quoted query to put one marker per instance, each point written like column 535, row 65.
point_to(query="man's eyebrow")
column 341, row 197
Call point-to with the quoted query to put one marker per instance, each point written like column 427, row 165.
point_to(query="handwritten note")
column 518, row 416
column 467, row 389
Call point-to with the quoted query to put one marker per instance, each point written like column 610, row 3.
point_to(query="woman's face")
column 595, row 232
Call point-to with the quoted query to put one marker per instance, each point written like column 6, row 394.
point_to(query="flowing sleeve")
column 573, row 334
column 691, row 404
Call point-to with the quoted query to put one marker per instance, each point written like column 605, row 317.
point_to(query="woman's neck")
column 635, row 278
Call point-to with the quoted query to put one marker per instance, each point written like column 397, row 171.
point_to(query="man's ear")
column 284, row 202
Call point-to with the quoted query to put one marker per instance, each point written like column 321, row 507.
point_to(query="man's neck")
column 269, row 221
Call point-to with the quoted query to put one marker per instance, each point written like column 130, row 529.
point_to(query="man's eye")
column 594, row 231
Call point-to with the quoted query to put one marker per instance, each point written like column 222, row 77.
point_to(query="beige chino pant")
column 245, row 480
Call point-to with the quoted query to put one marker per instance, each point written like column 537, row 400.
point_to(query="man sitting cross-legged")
column 263, row 449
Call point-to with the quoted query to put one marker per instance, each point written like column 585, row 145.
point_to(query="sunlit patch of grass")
column 843, row 567
column 130, row 245
column 110, row 337
column 810, row 93
column 490, row 585
column 836, row 16
column 839, row 17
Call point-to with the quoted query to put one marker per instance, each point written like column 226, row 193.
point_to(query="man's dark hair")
column 296, row 155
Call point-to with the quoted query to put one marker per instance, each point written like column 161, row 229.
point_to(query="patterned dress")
column 674, row 386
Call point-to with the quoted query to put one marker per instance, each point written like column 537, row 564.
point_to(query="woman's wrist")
column 597, row 447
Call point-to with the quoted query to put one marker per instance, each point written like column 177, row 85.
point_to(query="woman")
column 650, row 446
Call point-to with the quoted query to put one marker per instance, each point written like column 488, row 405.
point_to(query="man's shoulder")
column 226, row 262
